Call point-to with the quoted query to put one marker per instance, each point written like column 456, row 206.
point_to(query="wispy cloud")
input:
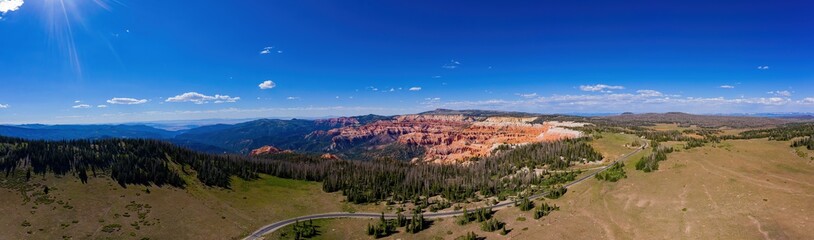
column 763, row 67
column 600, row 88
column 198, row 98
column 526, row 95
column 782, row 93
column 649, row 93
column 126, row 101
column 415, row 89
column 101, row 106
column 453, row 64
column 3, row 106
column 642, row 100
column 293, row 98
column 727, row 86
column 81, row 106
column 431, row 101
column 267, row 50
column 268, row 84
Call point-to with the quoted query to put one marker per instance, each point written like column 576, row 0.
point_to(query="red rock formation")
column 450, row 138
column 329, row 156
column 266, row 150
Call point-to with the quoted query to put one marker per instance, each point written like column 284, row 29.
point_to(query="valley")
column 708, row 175
column 402, row 120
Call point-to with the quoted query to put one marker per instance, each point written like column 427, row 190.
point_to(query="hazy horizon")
column 210, row 121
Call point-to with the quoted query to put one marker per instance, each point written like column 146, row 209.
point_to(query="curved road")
column 275, row 226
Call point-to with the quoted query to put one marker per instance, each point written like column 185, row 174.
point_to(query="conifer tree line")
column 378, row 180
column 128, row 161
column 152, row 162
column 782, row 133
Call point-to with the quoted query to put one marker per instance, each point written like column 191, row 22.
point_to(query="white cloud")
column 526, row 95
column 268, row 84
column 453, row 64
column 101, row 106
column 764, row 67
column 782, row 93
column 600, row 88
column 77, row 101
column 198, row 98
column 431, row 101
column 293, row 98
column 415, row 89
column 649, row 93
column 727, row 86
column 81, row 106
column 10, row 5
column 4, row 106
column 266, row 50
column 126, row 101
column 642, row 100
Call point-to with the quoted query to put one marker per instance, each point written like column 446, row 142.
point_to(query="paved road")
column 275, row 226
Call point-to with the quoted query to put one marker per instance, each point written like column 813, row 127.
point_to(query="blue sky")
column 98, row 61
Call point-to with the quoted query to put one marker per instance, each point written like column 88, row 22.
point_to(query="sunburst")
column 62, row 16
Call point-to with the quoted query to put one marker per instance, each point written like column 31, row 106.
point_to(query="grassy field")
column 613, row 145
column 745, row 189
column 670, row 127
column 101, row 209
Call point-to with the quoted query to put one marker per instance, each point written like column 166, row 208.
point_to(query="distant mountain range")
column 63, row 132
column 355, row 136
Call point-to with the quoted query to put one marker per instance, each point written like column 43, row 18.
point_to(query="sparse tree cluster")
column 808, row 142
column 555, row 192
column 694, row 143
column 613, row 173
column 650, row 162
column 544, row 209
column 383, row 228
column 303, row 230
column 479, row 215
column 491, row 225
column 525, row 204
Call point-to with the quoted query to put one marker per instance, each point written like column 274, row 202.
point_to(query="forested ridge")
column 150, row 162
column 505, row 173
column 127, row 161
